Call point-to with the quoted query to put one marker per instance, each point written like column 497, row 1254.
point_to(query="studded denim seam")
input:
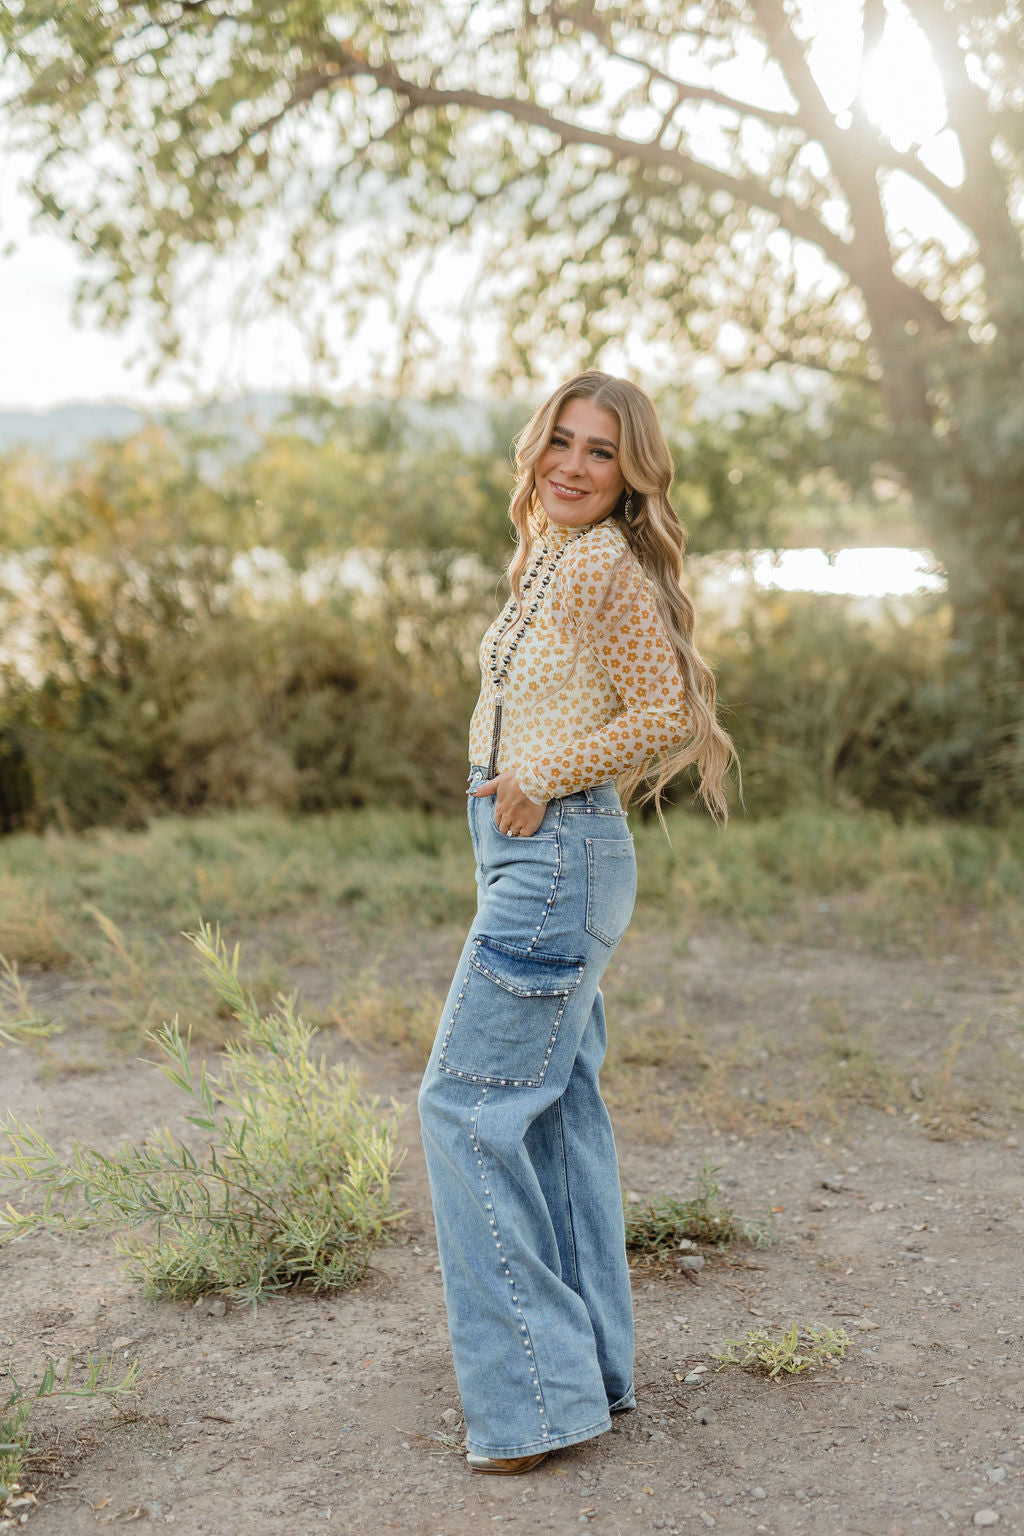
column 458, row 1003
column 593, row 810
column 546, row 909
column 522, row 1327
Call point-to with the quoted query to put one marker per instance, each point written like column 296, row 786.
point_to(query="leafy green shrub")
column 193, row 641
column 829, row 706
column 292, row 1185
column 659, row 1227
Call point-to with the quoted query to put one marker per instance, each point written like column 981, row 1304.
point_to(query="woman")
column 589, row 675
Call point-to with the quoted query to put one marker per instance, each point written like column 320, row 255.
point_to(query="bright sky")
column 49, row 358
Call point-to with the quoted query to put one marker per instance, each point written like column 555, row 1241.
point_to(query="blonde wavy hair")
column 656, row 538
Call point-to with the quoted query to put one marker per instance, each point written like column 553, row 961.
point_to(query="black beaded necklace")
column 498, row 670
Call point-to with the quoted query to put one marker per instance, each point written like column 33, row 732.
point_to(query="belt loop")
column 590, row 796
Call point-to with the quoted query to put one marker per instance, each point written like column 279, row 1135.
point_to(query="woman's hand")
column 514, row 813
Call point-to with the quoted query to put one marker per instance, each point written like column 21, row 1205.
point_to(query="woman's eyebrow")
column 568, row 432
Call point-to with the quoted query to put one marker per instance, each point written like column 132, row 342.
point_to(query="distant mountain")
column 65, row 430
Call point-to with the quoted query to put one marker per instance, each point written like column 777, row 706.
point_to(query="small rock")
column 1011, row 1141
column 836, row 1184
column 709, row 1520
column 217, row 1308
column 865, row 1325
column 758, row 1493
column 704, row 1416
column 995, row 1474
column 800, row 1494
column 693, row 1378
column 986, row 1517
column 692, row 1262
column 686, row 1245
column 876, row 1206
column 815, row 1204
column 124, row 1342
column 902, row 1407
column 451, row 1417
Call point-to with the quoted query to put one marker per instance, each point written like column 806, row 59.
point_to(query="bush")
column 828, row 706
column 292, row 1184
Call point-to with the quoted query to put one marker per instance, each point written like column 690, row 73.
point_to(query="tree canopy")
column 689, row 170
column 619, row 181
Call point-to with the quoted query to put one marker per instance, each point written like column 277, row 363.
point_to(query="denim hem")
column 549, row 1443
column 624, row 1403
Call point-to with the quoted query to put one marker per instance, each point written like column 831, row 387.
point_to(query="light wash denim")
column 519, row 1147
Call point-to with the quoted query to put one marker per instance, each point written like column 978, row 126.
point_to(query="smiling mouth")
column 566, row 490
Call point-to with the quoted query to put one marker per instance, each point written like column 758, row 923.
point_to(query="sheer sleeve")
column 608, row 601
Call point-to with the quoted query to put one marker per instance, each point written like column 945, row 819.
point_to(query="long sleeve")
column 607, row 603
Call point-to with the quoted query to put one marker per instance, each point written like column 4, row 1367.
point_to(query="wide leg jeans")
column 519, row 1148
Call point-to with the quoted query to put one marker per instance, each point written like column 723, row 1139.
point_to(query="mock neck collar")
column 554, row 535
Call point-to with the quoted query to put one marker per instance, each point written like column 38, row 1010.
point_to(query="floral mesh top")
column 594, row 687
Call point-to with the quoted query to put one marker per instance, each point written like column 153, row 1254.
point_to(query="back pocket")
column 505, row 1021
column 611, row 886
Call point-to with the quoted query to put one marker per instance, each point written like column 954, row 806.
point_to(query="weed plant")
column 18, row 1020
column 795, row 1351
column 655, row 1230
column 17, row 1409
column 290, row 1186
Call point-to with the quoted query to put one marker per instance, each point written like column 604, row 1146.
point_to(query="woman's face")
column 578, row 476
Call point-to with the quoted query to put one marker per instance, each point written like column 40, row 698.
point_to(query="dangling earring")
column 627, row 510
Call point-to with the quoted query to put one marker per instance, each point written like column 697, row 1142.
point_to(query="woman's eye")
column 601, row 453
column 558, row 442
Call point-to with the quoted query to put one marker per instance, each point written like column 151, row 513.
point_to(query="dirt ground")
column 341, row 1415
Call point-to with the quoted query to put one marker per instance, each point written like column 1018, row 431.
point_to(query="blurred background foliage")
column 290, row 620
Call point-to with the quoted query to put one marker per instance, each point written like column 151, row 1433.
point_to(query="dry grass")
column 108, row 907
column 400, row 1020
column 831, row 1065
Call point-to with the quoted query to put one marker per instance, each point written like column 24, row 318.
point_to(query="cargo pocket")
column 611, row 886
column 505, row 1021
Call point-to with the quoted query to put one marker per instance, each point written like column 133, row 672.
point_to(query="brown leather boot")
column 510, row 1467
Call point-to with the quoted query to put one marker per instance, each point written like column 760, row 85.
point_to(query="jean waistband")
column 595, row 794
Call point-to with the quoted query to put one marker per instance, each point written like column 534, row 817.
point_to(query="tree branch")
column 646, row 152
column 954, row 198
column 799, row 221
column 685, row 91
column 986, row 194
column 782, row 43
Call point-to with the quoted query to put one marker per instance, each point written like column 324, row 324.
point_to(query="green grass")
column 658, row 1229
column 238, row 866
column 107, row 908
column 375, row 865
column 759, row 866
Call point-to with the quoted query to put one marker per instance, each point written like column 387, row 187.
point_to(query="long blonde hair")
column 656, row 538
